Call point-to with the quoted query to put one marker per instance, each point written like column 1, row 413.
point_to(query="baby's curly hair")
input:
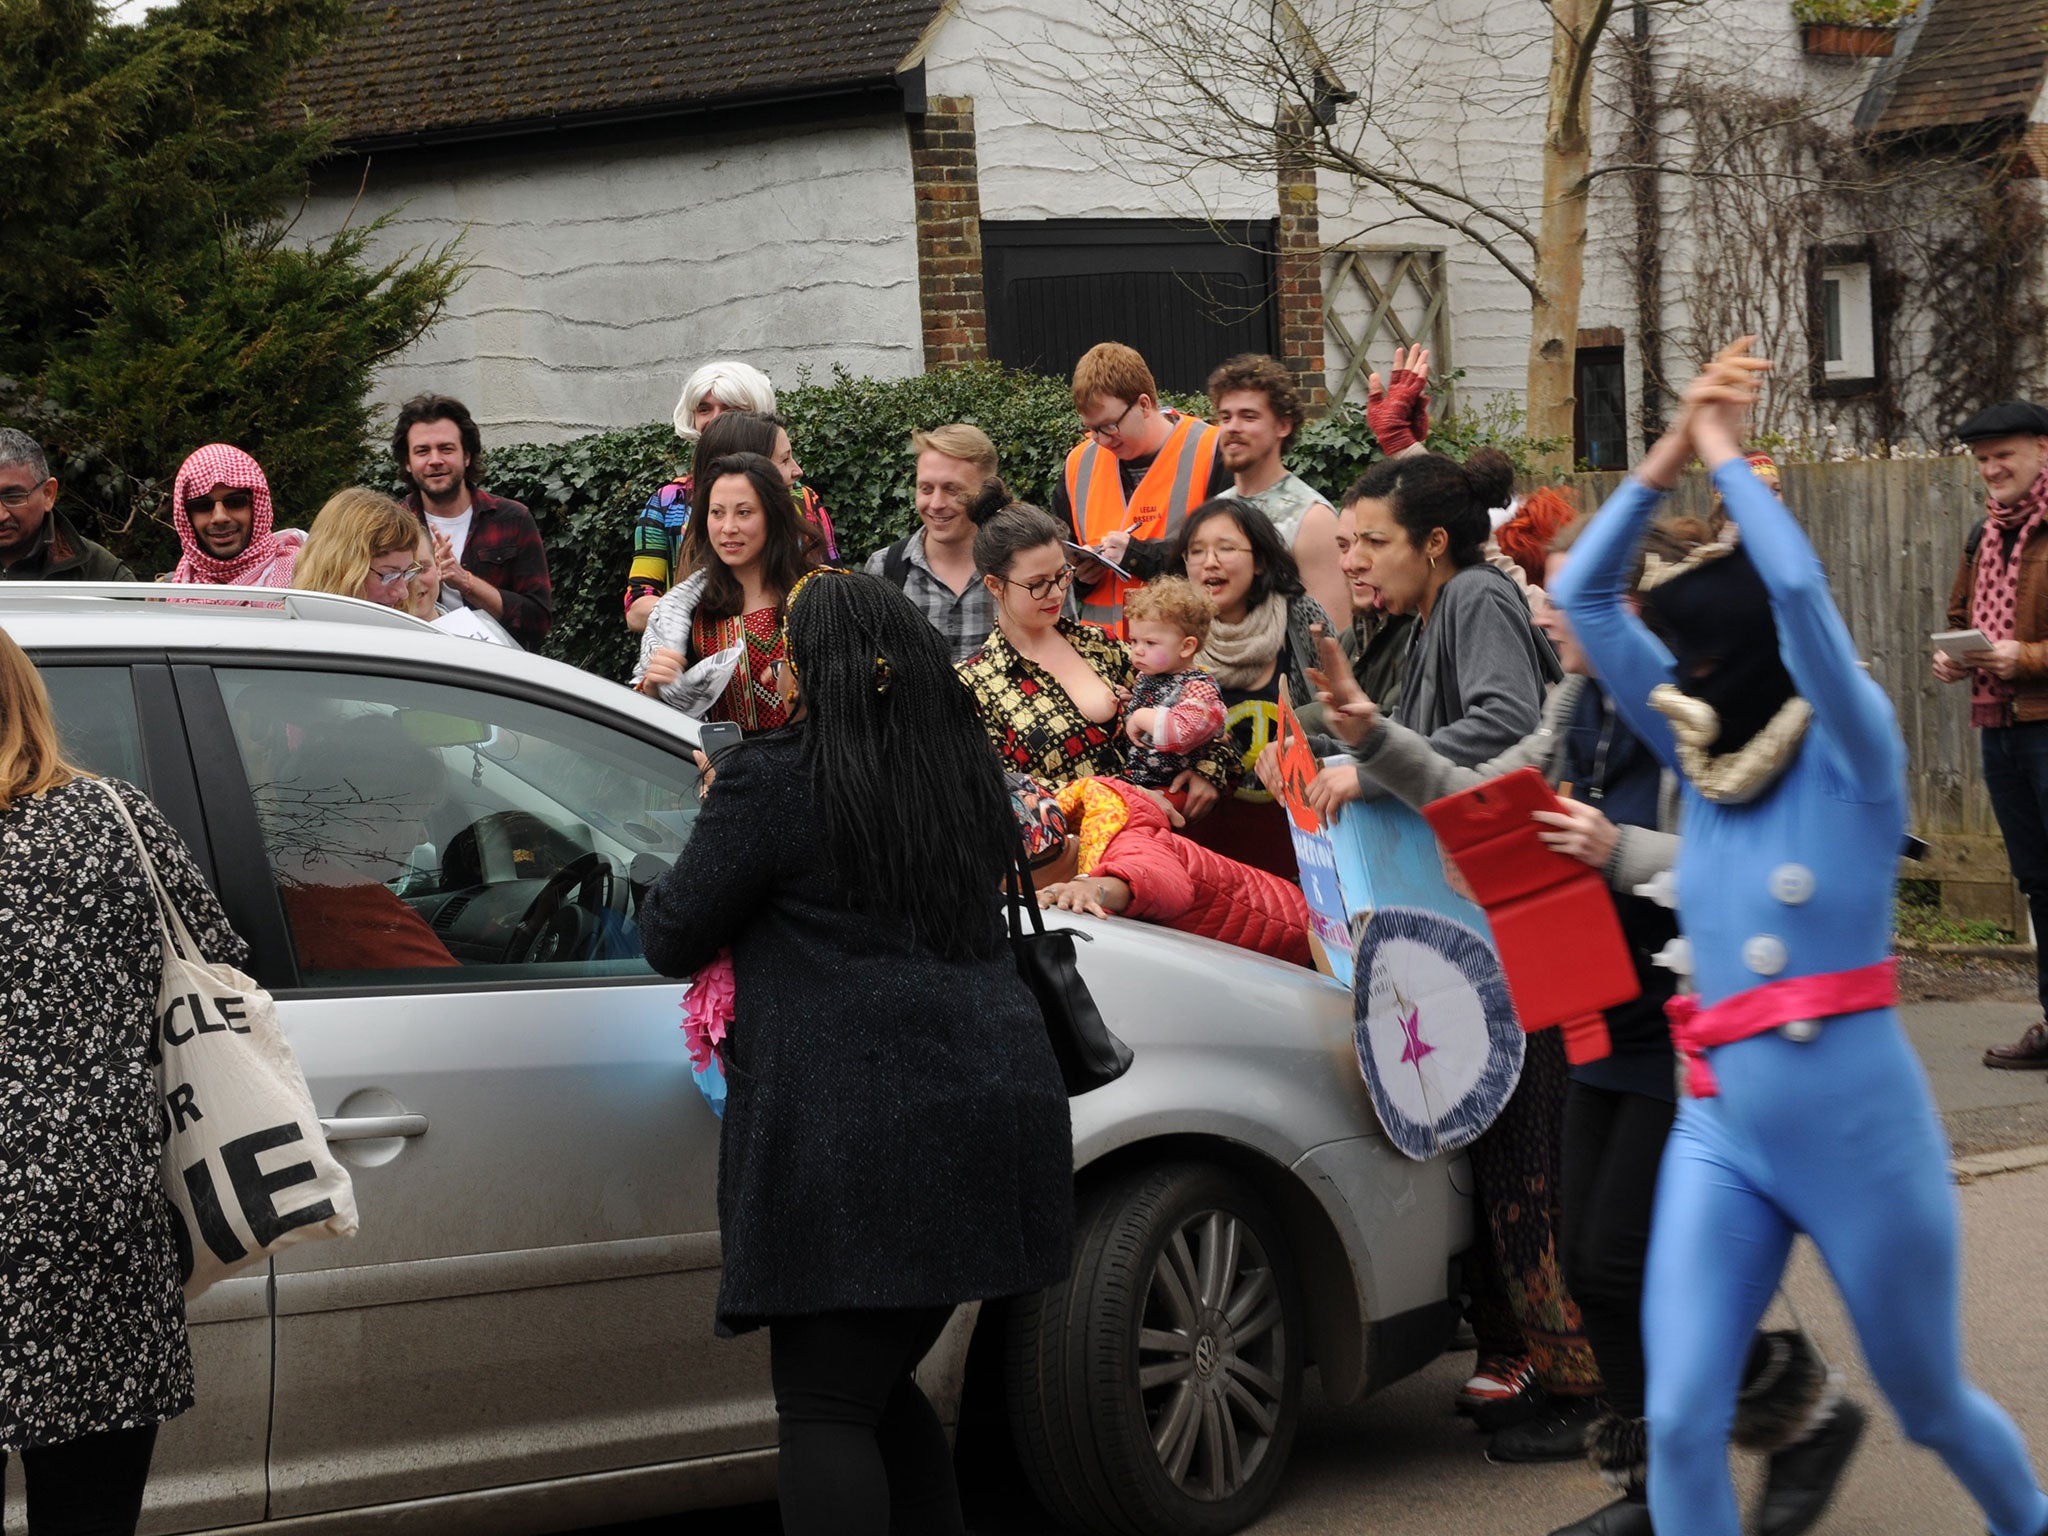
column 1172, row 600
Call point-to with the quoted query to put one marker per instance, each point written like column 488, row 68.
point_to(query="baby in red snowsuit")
column 1119, row 855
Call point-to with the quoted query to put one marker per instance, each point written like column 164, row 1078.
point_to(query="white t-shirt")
column 454, row 529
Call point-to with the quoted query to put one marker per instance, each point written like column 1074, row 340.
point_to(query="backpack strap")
column 896, row 562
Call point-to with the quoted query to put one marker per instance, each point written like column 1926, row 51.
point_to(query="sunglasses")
column 230, row 501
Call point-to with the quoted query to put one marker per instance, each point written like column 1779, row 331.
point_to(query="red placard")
column 1553, row 921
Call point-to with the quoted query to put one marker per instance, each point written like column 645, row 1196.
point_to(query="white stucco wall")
column 1053, row 91
column 599, row 277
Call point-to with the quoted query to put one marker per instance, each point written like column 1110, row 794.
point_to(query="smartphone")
column 715, row 736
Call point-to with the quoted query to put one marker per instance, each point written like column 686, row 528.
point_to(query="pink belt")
column 1695, row 1029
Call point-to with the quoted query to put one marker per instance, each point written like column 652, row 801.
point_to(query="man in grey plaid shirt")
column 934, row 564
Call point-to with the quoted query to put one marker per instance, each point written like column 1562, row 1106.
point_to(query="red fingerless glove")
column 1400, row 418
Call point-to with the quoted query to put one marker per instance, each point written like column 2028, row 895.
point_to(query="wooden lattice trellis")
column 1381, row 272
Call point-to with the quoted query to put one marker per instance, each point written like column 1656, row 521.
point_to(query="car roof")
column 49, row 618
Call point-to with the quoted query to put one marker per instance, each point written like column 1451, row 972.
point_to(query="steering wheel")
column 558, row 926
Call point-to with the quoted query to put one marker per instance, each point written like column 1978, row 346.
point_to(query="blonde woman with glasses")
column 362, row 544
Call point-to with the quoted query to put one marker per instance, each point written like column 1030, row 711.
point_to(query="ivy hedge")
column 852, row 436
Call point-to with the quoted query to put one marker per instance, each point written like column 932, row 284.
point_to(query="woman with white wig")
column 725, row 385
column 717, row 387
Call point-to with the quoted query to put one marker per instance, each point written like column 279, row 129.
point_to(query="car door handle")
column 374, row 1127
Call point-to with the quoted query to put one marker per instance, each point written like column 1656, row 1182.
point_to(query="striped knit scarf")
column 1994, row 600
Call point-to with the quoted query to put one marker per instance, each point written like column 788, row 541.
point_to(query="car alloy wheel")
column 1156, row 1390
column 1212, row 1356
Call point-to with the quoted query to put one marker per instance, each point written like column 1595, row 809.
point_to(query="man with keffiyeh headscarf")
column 2001, row 589
column 220, row 505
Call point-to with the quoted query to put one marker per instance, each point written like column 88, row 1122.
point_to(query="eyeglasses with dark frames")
column 1044, row 586
column 1114, row 429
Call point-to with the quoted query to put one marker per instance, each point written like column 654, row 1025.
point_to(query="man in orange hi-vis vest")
column 1131, row 480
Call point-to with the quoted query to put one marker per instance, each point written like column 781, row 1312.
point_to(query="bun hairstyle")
column 1428, row 491
column 993, row 498
column 1009, row 532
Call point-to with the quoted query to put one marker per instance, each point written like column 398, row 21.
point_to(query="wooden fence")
column 1890, row 533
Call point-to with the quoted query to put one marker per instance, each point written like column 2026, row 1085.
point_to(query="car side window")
column 428, row 836
column 96, row 722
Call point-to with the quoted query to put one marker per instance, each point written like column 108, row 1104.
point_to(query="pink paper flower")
column 707, row 1009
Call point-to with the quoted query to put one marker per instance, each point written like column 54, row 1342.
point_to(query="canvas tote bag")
column 245, row 1164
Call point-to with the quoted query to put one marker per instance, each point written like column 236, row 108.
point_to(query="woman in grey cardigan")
column 1476, row 667
column 1474, row 687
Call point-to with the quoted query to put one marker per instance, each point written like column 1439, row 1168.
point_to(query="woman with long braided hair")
column 896, row 1138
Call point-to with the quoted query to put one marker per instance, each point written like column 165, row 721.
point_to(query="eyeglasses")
column 1045, row 586
column 1114, row 429
column 393, row 578
column 15, row 496
column 232, row 501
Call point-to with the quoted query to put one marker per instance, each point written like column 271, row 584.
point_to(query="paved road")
column 1402, row 1462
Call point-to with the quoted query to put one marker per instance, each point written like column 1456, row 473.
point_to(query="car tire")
column 1156, row 1391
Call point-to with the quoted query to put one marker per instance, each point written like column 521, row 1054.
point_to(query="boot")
column 1785, row 1392
column 1557, row 1433
column 1619, row 1450
column 1626, row 1516
column 1802, row 1477
column 1791, row 1409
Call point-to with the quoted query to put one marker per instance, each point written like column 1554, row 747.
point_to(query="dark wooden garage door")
column 1186, row 296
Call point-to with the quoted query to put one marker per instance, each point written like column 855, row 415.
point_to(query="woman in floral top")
column 744, row 553
column 1050, row 691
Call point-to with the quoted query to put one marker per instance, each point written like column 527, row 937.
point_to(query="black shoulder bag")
column 1088, row 1054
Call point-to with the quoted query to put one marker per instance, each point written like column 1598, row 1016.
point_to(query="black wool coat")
column 896, row 1130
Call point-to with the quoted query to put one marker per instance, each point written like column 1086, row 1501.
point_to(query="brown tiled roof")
column 436, row 69
column 1971, row 63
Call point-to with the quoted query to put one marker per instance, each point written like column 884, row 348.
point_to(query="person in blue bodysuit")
column 1808, row 1097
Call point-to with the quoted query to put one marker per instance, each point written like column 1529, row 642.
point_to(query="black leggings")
column 1613, row 1143
column 91, row 1486
column 862, row 1451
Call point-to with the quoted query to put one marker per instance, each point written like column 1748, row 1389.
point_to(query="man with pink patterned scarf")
column 2002, row 589
column 220, row 505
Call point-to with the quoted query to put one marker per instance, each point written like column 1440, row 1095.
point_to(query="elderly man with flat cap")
column 2002, row 589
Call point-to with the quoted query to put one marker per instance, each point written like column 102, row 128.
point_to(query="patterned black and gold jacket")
column 1038, row 729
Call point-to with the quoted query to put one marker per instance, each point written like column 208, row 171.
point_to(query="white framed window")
column 1847, row 324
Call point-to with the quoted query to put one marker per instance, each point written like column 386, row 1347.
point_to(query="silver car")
column 436, row 849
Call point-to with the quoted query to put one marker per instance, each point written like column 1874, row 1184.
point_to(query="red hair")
column 1525, row 537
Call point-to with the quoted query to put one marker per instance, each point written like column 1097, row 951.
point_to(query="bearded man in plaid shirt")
column 488, row 547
